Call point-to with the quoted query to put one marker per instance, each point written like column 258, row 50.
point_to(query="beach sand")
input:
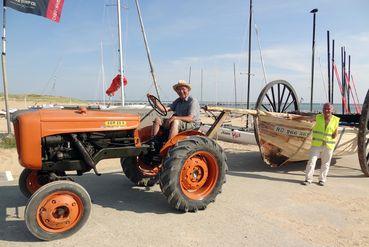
column 259, row 206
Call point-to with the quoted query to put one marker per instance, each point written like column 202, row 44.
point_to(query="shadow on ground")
column 110, row 190
column 250, row 165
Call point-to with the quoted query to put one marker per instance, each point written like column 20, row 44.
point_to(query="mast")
column 249, row 66
column 202, row 81
column 329, row 67
column 189, row 75
column 332, row 72
column 235, row 84
column 103, row 72
column 120, row 53
column 3, row 63
column 147, row 49
column 312, row 60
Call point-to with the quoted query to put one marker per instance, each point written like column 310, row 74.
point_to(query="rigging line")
column 260, row 52
column 324, row 86
column 357, row 97
column 52, row 77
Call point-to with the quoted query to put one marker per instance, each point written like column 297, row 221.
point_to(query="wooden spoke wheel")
column 193, row 173
column 57, row 210
column 363, row 137
column 278, row 96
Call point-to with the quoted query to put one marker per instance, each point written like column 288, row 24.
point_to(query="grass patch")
column 43, row 98
column 7, row 142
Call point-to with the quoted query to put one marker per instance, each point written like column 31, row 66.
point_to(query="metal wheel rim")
column 59, row 212
column 199, row 175
column 32, row 183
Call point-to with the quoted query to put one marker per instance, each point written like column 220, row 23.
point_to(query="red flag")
column 50, row 9
column 115, row 85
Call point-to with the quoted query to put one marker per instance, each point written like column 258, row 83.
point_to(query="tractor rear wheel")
column 57, row 210
column 193, row 173
column 138, row 172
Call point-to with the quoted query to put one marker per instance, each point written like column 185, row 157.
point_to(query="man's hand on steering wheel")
column 157, row 105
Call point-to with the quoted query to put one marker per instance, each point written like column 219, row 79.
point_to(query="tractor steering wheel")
column 153, row 101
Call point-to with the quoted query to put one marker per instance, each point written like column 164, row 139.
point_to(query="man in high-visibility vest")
column 323, row 143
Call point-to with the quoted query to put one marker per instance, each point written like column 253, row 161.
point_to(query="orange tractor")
column 190, row 168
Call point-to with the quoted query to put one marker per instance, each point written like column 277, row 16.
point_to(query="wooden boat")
column 284, row 134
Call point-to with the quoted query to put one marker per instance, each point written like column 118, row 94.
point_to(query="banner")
column 50, row 9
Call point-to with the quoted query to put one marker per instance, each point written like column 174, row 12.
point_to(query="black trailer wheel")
column 363, row 137
column 276, row 96
column 57, row 210
column 193, row 173
column 138, row 172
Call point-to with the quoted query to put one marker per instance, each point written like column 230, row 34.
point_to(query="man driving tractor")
column 186, row 112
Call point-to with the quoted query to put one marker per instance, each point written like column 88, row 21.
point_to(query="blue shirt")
column 186, row 107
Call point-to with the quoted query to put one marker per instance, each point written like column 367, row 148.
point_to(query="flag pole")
column 3, row 63
column 120, row 52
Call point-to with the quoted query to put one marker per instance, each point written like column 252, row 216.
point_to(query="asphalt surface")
column 259, row 206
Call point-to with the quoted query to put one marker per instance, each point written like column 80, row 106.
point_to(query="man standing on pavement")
column 323, row 143
column 186, row 112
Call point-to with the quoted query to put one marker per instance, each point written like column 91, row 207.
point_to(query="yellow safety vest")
column 323, row 134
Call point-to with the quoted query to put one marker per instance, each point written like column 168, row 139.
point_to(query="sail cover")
column 50, row 9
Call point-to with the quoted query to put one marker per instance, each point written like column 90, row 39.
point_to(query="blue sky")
column 65, row 58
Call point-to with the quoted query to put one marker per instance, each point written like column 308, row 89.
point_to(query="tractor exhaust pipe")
column 86, row 156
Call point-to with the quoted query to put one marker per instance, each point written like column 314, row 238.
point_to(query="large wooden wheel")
column 278, row 96
column 363, row 137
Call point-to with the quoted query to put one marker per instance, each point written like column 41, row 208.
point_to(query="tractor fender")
column 171, row 142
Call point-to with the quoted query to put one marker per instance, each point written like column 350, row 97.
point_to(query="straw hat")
column 181, row 83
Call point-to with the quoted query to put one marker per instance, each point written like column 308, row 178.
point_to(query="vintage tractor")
column 190, row 168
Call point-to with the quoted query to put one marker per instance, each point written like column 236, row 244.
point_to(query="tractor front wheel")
column 57, row 210
column 193, row 173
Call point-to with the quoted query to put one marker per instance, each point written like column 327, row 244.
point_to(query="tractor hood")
column 58, row 121
column 31, row 126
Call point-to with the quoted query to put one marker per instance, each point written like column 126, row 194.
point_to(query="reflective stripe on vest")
column 322, row 134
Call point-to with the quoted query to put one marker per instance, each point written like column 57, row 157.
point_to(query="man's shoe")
column 306, row 182
column 321, row 183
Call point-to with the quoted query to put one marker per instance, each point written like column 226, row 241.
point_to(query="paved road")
column 259, row 206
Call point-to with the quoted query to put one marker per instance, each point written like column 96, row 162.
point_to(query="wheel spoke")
column 283, row 91
column 274, row 105
column 288, row 97
column 271, row 103
column 287, row 106
column 279, row 97
column 265, row 107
